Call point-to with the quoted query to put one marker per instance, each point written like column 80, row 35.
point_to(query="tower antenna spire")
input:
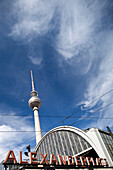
column 33, row 89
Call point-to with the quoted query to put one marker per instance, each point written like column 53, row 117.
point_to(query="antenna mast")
column 33, row 89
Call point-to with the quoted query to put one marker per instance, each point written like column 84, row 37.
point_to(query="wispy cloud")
column 103, row 82
column 35, row 52
column 33, row 19
column 76, row 23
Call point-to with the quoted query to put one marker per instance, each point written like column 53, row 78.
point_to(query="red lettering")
column 83, row 161
column 90, row 160
column 22, row 162
column 33, row 160
column 62, row 160
column 12, row 157
column 77, row 160
column 53, row 159
column 70, row 160
column 98, row 161
column 104, row 162
column 44, row 158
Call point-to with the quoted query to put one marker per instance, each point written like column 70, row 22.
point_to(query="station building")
column 68, row 140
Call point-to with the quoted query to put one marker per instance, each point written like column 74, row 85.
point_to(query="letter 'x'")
column 44, row 158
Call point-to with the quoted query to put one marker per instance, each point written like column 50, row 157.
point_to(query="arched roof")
column 77, row 131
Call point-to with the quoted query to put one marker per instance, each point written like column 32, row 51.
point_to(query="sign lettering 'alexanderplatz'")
column 59, row 160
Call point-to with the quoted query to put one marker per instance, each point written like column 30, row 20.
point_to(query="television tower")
column 34, row 103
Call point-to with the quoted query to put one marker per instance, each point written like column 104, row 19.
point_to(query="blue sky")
column 69, row 46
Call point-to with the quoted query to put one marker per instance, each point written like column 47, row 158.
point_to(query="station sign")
column 56, row 160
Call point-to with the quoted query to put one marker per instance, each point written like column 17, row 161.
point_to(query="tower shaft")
column 37, row 125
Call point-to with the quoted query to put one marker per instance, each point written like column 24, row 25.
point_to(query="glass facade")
column 62, row 142
column 108, row 141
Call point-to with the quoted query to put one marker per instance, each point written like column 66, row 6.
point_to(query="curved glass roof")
column 62, row 142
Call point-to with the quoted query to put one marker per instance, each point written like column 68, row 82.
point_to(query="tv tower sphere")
column 34, row 101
